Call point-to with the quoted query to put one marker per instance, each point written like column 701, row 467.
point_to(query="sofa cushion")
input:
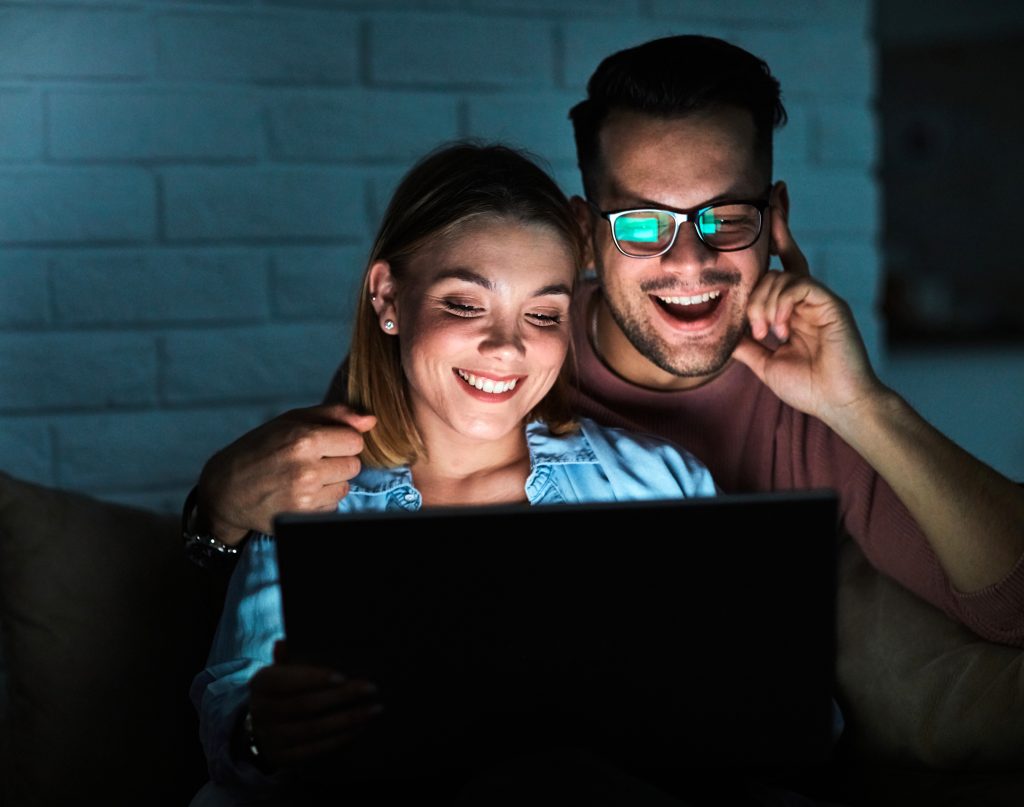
column 920, row 690
column 103, row 624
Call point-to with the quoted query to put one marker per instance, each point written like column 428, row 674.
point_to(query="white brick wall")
column 188, row 190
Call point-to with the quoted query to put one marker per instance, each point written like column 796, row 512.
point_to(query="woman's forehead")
column 499, row 247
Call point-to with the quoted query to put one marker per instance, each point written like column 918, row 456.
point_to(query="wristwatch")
column 252, row 750
column 202, row 548
column 245, row 748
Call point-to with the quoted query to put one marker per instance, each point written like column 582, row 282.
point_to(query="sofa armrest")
column 104, row 623
column 918, row 689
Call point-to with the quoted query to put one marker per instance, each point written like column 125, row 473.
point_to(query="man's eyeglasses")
column 725, row 226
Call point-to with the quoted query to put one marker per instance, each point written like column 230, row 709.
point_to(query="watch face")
column 250, row 735
column 206, row 551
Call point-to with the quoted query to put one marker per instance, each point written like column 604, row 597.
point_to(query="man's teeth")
column 487, row 384
column 697, row 298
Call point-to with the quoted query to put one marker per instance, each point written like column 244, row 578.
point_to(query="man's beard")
column 681, row 361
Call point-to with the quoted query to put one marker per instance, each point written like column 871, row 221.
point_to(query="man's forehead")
column 682, row 160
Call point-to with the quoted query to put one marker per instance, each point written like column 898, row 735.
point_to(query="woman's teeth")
column 696, row 298
column 487, row 384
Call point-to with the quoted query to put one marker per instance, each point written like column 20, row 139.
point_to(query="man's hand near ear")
column 805, row 346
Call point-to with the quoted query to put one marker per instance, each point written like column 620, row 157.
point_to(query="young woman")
column 459, row 350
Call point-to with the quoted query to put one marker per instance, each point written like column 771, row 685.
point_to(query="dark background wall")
column 951, row 172
column 188, row 191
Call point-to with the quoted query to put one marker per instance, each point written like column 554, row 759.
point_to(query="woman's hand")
column 302, row 713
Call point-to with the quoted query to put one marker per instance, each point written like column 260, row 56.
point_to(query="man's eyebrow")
column 617, row 192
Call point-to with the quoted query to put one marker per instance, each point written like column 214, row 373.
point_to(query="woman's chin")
column 486, row 430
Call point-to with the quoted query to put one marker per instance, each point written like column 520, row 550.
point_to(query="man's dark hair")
column 677, row 76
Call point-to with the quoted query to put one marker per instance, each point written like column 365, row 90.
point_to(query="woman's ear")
column 384, row 296
column 586, row 224
column 779, row 204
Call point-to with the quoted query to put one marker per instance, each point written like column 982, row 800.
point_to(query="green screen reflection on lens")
column 707, row 223
column 645, row 229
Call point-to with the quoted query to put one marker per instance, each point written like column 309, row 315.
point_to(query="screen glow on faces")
column 484, row 327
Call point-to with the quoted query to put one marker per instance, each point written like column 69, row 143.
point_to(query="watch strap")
column 202, row 548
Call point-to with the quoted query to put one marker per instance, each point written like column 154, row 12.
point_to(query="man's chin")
column 693, row 360
column 681, row 356
column 697, row 368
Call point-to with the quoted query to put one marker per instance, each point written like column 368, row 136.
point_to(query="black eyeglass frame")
column 692, row 215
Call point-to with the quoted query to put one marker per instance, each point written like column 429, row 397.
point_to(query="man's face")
column 674, row 320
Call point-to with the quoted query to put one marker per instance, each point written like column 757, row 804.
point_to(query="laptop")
column 663, row 636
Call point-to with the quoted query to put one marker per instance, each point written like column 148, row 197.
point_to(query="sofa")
column 104, row 622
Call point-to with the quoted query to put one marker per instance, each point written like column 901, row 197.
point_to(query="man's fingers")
column 337, row 413
column 785, row 297
column 337, row 438
column 773, row 302
column 793, row 260
column 760, row 306
column 361, row 423
column 312, row 442
column 753, row 355
column 335, row 470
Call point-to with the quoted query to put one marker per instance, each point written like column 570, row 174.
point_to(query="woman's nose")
column 503, row 339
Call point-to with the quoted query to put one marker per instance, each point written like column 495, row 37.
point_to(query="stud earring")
column 389, row 325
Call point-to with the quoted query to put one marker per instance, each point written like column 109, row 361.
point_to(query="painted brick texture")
column 188, row 190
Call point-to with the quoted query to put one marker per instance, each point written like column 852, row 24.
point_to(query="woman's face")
column 483, row 319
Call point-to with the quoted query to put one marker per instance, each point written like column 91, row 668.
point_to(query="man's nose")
column 688, row 253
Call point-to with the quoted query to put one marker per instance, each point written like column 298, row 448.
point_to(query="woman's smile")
column 490, row 387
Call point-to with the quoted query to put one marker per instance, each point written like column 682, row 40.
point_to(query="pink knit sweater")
column 752, row 441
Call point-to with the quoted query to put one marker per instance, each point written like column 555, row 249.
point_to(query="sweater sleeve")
column 895, row 544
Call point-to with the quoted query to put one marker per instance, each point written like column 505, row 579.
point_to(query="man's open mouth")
column 691, row 308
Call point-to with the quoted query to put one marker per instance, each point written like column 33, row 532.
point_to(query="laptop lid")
column 663, row 635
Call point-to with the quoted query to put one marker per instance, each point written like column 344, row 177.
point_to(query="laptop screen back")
column 662, row 635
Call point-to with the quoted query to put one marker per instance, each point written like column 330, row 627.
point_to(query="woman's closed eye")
column 461, row 309
column 544, row 320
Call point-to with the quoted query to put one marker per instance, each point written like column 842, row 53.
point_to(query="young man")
column 688, row 334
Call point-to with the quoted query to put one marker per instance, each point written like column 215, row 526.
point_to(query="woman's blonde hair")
column 448, row 187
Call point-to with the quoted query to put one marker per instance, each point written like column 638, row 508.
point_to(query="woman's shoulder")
column 380, row 489
column 646, row 464
column 591, row 433
column 631, row 441
column 639, row 464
